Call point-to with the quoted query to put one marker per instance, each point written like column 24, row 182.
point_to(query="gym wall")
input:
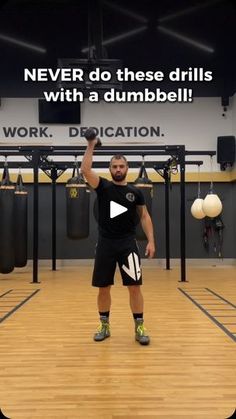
column 196, row 124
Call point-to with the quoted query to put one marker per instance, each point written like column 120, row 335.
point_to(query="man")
column 116, row 241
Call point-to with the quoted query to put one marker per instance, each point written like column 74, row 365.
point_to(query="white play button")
column 116, row 209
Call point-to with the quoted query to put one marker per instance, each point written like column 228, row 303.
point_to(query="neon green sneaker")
column 103, row 329
column 140, row 333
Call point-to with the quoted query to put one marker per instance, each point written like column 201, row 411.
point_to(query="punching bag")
column 6, row 223
column 20, row 223
column 77, row 205
column 146, row 186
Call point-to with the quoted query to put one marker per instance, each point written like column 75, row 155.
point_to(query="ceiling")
column 145, row 35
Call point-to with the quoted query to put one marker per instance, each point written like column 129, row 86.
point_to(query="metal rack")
column 38, row 158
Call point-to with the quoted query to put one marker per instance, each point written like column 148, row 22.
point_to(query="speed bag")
column 7, row 257
column 20, row 227
column 147, row 191
column 77, row 214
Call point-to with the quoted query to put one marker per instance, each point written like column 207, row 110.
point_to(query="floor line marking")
column 9, row 313
column 220, row 325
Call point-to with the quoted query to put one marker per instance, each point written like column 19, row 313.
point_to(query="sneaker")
column 140, row 333
column 103, row 330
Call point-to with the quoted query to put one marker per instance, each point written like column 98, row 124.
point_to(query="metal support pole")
column 182, row 213
column 96, row 26
column 35, row 161
column 54, row 222
column 167, row 217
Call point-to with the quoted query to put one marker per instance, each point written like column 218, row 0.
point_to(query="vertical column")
column 96, row 26
column 182, row 213
column 54, row 222
column 167, row 217
column 35, row 161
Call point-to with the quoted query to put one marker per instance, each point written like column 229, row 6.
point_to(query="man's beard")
column 118, row 177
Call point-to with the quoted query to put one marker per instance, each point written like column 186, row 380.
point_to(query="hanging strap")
column 218, row 230
column 77, row 177
column 199, row 184
column 6, row 183
column 20, row 189
column 143, row 178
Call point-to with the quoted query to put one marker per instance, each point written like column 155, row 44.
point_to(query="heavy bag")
column 6, row 223
column 20, row 223
column 77, row 206
column 146, row 186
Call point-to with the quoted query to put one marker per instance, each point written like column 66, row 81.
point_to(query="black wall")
column 83, row 249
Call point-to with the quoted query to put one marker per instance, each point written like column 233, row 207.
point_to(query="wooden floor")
column 51, row 368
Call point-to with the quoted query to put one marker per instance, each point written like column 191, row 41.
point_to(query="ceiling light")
column 185, row 39
column 126, row 12
column 187, row 11
column 22, row 43
column 118, row 38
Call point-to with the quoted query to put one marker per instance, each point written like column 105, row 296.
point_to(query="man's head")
column 118, row 167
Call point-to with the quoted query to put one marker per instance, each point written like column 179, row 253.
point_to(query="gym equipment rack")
column 38, row 158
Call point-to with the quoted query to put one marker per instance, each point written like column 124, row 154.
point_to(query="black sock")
column 104, row 313
column 138, row 316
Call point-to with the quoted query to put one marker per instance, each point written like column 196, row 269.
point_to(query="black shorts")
column 125, row 252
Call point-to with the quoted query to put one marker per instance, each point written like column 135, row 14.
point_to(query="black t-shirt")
column 129, row 196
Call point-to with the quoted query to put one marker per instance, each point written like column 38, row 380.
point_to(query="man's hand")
column 150, row 250
column 93, row 143
column 86, row 164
